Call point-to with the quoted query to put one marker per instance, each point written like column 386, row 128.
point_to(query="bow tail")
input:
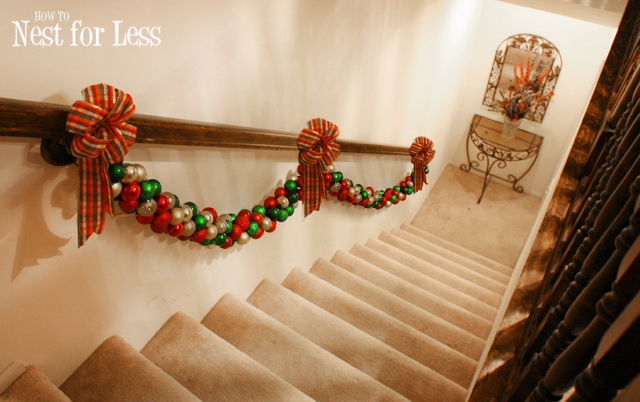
column 313, row 188
column 419, row 176
column 90, row 204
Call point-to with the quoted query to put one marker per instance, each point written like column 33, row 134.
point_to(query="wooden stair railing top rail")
column 19, row 118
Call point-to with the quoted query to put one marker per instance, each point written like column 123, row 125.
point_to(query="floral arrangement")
column 526, row 92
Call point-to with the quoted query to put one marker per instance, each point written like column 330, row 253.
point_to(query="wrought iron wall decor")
column 512, row 55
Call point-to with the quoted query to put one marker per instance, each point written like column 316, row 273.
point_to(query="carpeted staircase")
column 405, row 316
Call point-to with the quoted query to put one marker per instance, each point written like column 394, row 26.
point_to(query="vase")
column 509, row 127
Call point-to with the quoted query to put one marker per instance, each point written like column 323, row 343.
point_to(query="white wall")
column 384, row 71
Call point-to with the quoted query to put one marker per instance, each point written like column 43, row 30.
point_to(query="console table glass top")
column 487, row 149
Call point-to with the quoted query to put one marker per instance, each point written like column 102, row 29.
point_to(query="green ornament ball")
column 273, row 213
column 116, row 172
column 293, row 197
column 409, row 190
column 200, row 221
column 282, row 215
column 147, row 190
column 156, row 186
column 253, row 228
column 260, row 209
column 220, row 239
column 290, row 210
column 336, row 177
column 290, row 186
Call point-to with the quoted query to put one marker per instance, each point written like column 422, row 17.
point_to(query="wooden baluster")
column 592, row 253
column 571, row 258
column 581, row 312
column 621, row 153
column 612, row 336
column 562, row 272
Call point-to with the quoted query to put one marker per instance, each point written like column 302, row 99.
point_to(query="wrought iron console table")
column 495, row 151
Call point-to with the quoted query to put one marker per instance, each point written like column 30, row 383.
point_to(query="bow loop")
column 102, row 137
column 422, row 153
column 318, row 150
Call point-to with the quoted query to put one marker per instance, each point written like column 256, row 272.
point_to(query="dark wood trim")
column 28, row 119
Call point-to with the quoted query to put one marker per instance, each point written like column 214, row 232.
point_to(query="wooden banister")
column 29, row 119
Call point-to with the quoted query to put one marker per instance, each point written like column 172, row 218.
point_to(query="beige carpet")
column 404, row 316
column 496, row 228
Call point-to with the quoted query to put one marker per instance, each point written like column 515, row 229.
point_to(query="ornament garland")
column 103, row 137
column 144, row 198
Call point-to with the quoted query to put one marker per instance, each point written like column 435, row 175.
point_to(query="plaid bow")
column 101, row 138
column 317, row 151
column 422, row 153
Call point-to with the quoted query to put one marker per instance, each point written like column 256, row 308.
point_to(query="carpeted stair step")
column 450, row 266
column 115, row 371
column 297, row 360
column 448, row 362
column 424, row 321
column 489, row 271
column 436, row 273
column 443, row 288
column 31, row 385
column 373, row 357
column 442, row 308
column 440, row 244
column 211, row 368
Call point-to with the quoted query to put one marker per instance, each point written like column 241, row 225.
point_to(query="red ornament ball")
column 159, row 227
column 199, row 236
column 270, row 202
column 128, row 206
column 175, row 230
column 280, row 192
column 257, row 217
column 227, row 243
column 243, row 221
column 163, row 218
column 236, row 231
column 130, row 192
column 162, row 203
column 145, row 220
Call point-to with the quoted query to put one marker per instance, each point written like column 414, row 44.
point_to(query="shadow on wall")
column 28, row 197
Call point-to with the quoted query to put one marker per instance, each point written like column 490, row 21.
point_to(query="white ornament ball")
column 244, row 238
column 130, row 173
column 221, row 225
column 141, row 172
column 177, row 215
column 116, row 189
column 189, row 228
column 212, row 232
column 283, row 201
column 147, row 208
column 188, row 213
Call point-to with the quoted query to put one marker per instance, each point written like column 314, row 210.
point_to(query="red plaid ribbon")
column 422, row 153
column 317, row 151
column 101, row 138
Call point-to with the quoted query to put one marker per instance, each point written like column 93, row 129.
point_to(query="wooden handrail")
column 20, row 118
